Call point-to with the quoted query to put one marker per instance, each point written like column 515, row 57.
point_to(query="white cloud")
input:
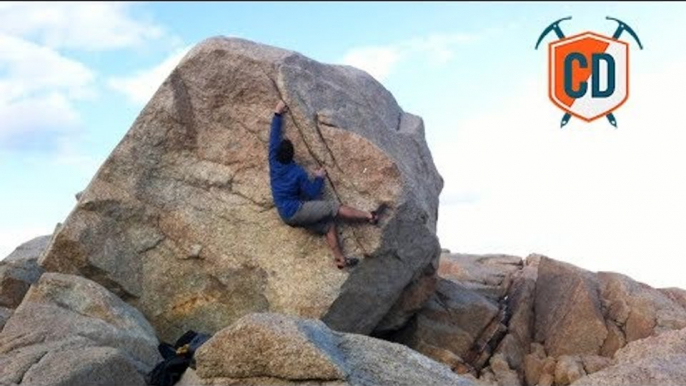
column 379, row 61
column 598, row 197
column 27, row 68
column 141, row 86
column 34, row 122
column 37, row 87
column 77, row 25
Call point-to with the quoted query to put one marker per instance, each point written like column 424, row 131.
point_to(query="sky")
column 74, row 76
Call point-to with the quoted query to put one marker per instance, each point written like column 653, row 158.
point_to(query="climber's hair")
column 284, row 153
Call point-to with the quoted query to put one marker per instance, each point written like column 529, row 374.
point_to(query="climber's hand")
column 321, row 172
column 281, row 108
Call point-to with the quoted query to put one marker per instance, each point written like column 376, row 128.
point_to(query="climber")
column 296, row 196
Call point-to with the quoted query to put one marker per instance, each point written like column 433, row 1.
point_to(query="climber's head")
column 284, row 153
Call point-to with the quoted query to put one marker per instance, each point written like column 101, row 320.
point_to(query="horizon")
column 600, row 198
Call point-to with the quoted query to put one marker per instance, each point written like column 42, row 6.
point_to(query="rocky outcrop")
column 555, row 323
column 19, row 270
column 71, row 331
column 657, row 360
column 638, row 310
column 272, row 349
column 179, row 220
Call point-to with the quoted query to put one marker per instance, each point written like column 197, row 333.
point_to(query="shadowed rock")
column 71, row 331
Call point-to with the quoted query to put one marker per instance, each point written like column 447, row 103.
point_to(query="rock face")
column 19, row 270
column 450, row 324
column 657, row 360
column 569, row 317
column 30, row 250
column 485, row 274
column 272, row 349
column 71, row 331
column 179, row 220
column 15, row 279
column 551, row 323
column 5, row 314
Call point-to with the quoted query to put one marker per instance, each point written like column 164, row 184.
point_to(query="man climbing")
column 296, row 196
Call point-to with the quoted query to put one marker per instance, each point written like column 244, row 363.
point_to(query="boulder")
column 503, row 374
column 594, row 363
column 18, row 271
column 274, row 349
column 569, row 368
column 179, row 220
column 268, row 345
column 30, row 250
column 69, row 330
column 453, row 319
column 485, row 274
column 16, row 276
column 569, row 317
column 5, row 314
column 638, row 309
column 656, row 360
column 537, row 367
column 85, row 366
column 676, row 294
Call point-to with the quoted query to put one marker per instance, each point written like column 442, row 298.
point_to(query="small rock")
column 595, row 363
column 488, row 377
column 503, row 373
column 569, row 368
column 538, row 350
column 195, row 251
column 532, row 369
column 546, row 380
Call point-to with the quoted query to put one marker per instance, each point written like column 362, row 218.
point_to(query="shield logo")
column 589, row 75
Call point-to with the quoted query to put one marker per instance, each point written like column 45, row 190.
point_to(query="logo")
column 588, row 73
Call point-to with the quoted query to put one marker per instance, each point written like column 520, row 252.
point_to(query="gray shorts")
column 315, row 216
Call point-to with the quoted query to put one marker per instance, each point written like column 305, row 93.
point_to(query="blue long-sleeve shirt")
column 290, row 183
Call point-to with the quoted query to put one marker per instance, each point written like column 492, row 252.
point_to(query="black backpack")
column 177, row 359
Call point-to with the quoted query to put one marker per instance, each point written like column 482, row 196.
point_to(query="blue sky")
column 73, row 77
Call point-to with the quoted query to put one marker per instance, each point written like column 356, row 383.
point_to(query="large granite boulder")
column 274, row 349
column 71, row 331
column 179, row 220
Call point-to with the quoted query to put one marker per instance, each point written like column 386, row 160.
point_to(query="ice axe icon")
column 555, row 27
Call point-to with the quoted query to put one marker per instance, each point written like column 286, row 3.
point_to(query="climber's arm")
column 275, row 136
column 275, row 133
